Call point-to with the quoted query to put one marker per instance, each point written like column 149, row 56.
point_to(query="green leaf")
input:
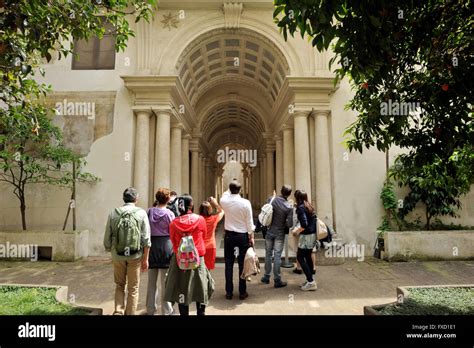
column 278, row 10
column 375, row 21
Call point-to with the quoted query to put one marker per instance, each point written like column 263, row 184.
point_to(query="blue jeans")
column 273, row 245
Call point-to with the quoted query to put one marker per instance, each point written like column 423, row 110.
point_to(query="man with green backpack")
column 127, row 237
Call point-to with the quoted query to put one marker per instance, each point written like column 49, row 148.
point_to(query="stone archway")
column 233, row 80
column 233, row 86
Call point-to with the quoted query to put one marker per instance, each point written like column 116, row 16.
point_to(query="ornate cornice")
column 161, row 93
column 305, row 94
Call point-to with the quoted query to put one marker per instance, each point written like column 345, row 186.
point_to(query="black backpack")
column 173, row 206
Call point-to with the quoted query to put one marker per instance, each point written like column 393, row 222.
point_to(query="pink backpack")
column 188, row 255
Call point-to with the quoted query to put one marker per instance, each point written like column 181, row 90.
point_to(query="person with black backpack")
column 173, row 203
column 127, row 237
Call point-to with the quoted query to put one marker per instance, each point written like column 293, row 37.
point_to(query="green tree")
column 31, row 147
column 33, row 153
column 438, row 184
column 399, row 53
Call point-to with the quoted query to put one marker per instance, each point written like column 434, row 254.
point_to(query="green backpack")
column 128, row 233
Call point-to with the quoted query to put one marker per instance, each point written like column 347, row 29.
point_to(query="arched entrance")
column 233, row 88
column 233, row 80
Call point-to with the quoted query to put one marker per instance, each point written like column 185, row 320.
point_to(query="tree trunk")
column 428, row 218
column 23, row 211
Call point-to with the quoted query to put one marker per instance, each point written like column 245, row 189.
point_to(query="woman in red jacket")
column 194, row 285
column 206, row 211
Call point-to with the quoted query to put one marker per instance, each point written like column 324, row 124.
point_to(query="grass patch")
column 17, row 300
column 434, row 301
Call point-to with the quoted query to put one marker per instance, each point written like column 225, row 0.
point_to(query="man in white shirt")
column 239, row 229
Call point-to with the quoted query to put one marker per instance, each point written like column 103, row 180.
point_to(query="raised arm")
column 219, row 210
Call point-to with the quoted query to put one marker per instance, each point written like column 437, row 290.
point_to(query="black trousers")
column 184, row 309
column 304, row 258
column 235, row 245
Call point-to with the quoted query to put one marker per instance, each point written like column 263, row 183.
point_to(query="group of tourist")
column 300, row 218
column 156, row 240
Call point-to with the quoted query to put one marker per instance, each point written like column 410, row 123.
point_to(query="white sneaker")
column 303, row 283
column 310, row 286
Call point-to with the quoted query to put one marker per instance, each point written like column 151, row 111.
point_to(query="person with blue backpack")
column 188, row 278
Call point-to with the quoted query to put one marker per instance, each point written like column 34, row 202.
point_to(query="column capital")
column 162, row 110
column 278, row 138
column 270, row 143
column 270, row 148
column 301, row 113
column 177, row 125
column 140, row 110
column 194, row 144
column 286, row 126
column 321, row 113
column 187, row 136
column 267, row 135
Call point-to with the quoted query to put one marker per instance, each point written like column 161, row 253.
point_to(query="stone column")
column 312, row 156
column 212, row 181
column 194, row 170
column 205, row 173
column 209, row 179
column 279, row 163
column 250, row 182
column 263, row 181
column 270, row 170
column 302, row 164
column 200, row 181
column 256, row 185
column 220, row 184
column 244, row 181
column 185, row 164
column 289, row 157
column 142, row 158
column 162, row 149
column 323, row 167
column 176, row 160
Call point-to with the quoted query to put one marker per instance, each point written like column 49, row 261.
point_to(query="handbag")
column 321, row 229
column 251, row 264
